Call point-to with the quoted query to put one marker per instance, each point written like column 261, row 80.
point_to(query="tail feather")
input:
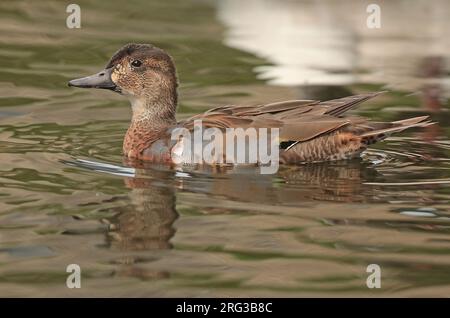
column 376, row 135
column 413, row 120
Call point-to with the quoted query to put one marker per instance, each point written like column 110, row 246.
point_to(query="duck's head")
column 142, row 72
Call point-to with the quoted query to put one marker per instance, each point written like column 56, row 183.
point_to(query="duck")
column 308, row 130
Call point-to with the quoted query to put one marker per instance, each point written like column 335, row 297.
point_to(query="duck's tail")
column 378, row 134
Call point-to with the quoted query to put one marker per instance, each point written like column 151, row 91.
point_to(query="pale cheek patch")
column 114, row 77
column 117, row 76
column 119, row 70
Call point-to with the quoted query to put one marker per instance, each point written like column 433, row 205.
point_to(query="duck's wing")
column 298, row 120
column 295, row 108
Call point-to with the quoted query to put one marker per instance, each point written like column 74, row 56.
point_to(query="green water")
column 66, row 196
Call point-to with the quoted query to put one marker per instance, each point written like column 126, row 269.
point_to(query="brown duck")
column 309, row 130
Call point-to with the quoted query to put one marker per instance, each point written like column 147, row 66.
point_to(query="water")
column 67, row 196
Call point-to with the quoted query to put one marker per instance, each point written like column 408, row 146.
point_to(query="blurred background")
column 67, row 196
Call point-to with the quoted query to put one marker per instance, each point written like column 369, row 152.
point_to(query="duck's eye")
column 136, row 63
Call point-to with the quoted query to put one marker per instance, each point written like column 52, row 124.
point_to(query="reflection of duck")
column 291, row 186
column 149, row 222
column 309, row 131
column 146, row 224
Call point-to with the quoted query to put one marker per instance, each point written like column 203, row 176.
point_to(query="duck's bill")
column 100, row 80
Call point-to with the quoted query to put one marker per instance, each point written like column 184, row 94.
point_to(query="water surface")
column 67, row 196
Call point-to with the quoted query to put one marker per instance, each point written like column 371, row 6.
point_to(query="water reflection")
column 148, row 222
column 292, row 185
column 314, row 43
column 275, row 220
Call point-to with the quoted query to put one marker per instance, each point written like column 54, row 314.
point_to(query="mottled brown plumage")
column 309, row 131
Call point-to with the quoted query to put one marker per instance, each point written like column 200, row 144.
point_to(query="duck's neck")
column 152, row 114
column 150, row 117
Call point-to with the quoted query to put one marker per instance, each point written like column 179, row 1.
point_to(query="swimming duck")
column 309, row 130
